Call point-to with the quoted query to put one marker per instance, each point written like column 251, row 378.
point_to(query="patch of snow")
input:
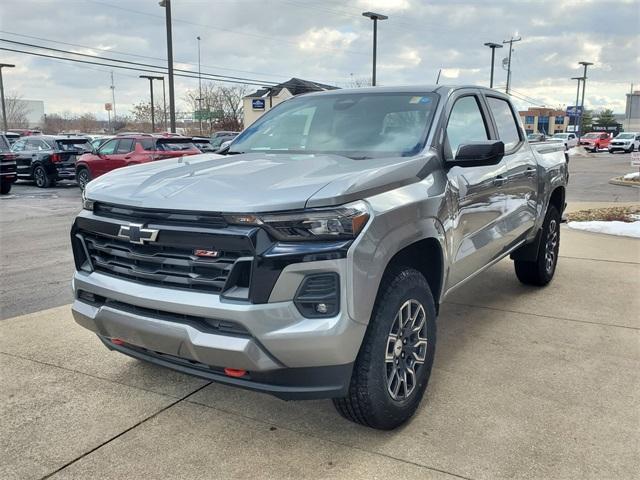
column 631, row 176
column 624, row 229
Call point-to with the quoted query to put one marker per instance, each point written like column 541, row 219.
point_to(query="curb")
column 624, row 183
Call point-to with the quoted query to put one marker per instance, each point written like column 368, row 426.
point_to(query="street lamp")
column 493, row 47
column 199, row 86
column 584, row 87
column 4, row 111
column 375, row 17
column 153, row 118
column 166, row 4
column 575, row 113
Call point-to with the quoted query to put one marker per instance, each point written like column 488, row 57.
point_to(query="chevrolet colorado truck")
column 310, row 260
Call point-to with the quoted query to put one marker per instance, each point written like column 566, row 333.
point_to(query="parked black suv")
column 7, row 166
column 45, row 159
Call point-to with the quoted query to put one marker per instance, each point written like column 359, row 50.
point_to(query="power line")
column 31, row 45
column 55, row 57
column 134, row 54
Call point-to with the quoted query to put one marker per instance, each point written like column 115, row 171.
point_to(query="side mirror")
column 478, row 154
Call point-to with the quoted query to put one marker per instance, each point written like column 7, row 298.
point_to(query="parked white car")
column 626, row 142
column 570, row 140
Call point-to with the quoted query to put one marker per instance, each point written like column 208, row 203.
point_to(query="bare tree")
column 223, row 104
column 358, row 82
column 17, row 111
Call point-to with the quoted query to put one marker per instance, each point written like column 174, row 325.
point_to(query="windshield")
column 625, row 135
column 592, row 135
column 357, row 125
column 73, row 145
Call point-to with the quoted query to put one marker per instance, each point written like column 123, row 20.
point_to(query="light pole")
column 493, row 47
column 199, row 86
column 375, row 17
column 153, row 116
column 584, row 87
column 172, row 101
column 4, row 108
column 164, row 105
column 575, row 113
column 510, row 42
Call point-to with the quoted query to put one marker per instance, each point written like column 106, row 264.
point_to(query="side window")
column 19, row 146
column 505, row 122
column 146, row 144
column 125, row 145
column 109, row 147
column 466, row 124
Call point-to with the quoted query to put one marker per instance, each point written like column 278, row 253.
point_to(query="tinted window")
column 73, row 145
column 466, row 124
column 4, row 144
column 36, row 144
column 147, row 144
column 109, row 147
column 125, row 145
column 508, row 130
column 174, row 145
column 18, row 146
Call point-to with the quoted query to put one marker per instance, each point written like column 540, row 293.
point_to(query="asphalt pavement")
column 37, row 264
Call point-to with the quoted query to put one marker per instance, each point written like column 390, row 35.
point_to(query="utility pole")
column 172, row 100
column 493, row 47
column 575, row 113
column 113, row 102
column 4, row 108
column 630, row 107
column 510, row 42
column 153, row 117
column 584, row 87
column 199, row 86
column 375, row 17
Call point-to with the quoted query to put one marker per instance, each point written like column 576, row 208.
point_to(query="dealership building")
column 544, row 120
column 262, row 100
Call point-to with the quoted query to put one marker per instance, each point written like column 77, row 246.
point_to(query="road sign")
column 574, row 111
column 207, row 114
column 635, row 159
column 108, row 107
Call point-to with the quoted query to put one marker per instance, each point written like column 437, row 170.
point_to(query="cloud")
column 324, row 38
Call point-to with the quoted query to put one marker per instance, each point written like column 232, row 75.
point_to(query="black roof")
column 296, row 86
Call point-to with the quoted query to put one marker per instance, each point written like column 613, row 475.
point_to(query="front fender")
column 400, row 218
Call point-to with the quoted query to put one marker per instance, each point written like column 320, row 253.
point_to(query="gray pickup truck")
column 311, row 260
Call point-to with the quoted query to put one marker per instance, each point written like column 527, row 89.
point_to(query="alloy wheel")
column 406, row 349
column 551, row 246
column 39, row 176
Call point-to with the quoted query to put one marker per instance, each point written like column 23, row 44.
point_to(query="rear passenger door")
column 521, row 188
column 476, row 195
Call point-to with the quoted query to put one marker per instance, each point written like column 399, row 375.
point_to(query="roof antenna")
column 438, row 78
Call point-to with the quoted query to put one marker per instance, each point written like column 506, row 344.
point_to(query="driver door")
column 476, row 197
column 103, row 157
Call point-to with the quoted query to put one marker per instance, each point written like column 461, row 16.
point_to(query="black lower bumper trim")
column 309, row 383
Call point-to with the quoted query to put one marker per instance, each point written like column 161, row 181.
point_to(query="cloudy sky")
column 326, row 41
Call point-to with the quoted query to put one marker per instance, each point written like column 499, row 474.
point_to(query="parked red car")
column 125, row 150
column 595, row 141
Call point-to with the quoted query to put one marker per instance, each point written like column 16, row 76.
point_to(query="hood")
column 254, row 182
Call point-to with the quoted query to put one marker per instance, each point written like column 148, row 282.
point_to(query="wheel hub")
column 406, row 349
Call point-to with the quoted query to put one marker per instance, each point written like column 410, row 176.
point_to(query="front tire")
column 83, row 177
column 394, row 364
column 540, row 271
column 42, row 178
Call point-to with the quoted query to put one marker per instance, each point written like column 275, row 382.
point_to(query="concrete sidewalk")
column 528, row 383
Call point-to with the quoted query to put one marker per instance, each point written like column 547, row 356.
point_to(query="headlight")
column 86, row 203
column 344, row 222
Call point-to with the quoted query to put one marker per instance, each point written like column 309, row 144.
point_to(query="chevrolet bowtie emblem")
column 136, row 233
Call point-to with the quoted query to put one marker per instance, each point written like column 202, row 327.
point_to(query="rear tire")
column 540, row 271
column 393, row 366
column 5, row 187
column 42, row 178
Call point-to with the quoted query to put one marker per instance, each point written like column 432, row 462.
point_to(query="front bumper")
column 284, row 353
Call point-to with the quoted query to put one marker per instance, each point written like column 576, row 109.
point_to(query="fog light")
column 322, row 308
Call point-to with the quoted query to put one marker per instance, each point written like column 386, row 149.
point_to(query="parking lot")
column 527, row 383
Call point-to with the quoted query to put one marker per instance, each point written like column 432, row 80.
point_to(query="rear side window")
column 125, row 145
column 505, row 122
column 36, row 144
column 466, row 124
column 147, row 144
column 4, row 144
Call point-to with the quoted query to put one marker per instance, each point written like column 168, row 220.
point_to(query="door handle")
column 530, row 172
column 499, row 180
column 127, row 157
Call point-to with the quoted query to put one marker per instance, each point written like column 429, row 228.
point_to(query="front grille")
column 171, row 217
column 158, row 264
